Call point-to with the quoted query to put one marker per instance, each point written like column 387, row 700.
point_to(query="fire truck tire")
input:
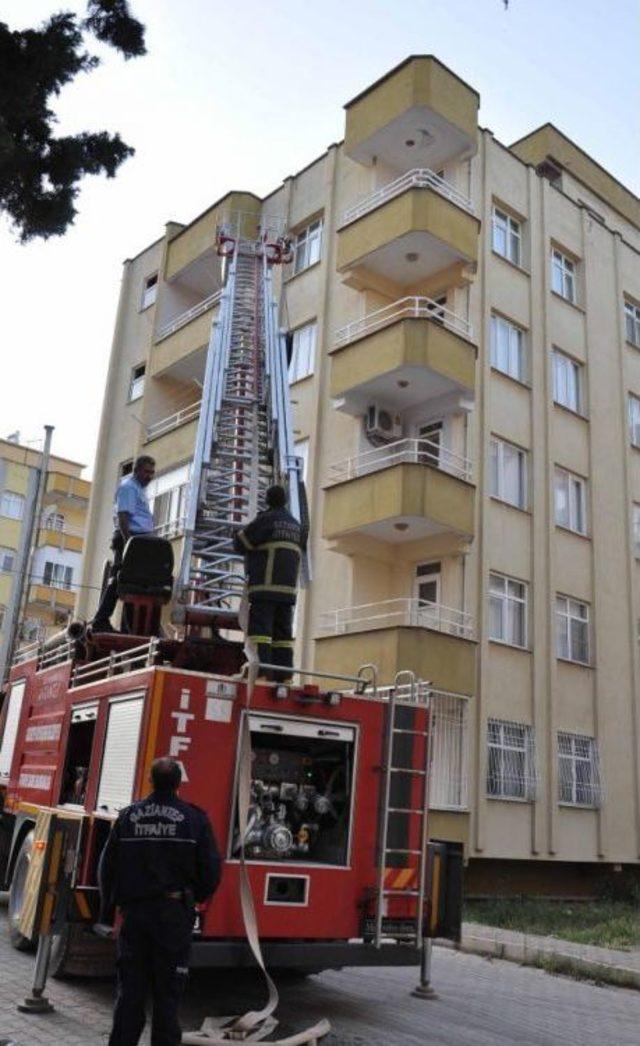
column 77, row 952
column 16, row 897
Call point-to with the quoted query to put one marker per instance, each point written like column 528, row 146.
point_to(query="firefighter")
column 160, row 859
column 272, row 544
column 132, row 515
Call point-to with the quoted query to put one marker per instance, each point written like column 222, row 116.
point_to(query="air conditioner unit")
column 382, row 424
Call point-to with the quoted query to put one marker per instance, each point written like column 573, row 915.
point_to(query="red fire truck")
column 336, row 839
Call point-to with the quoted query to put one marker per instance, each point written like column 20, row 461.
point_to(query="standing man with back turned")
column 272, row 544
column 160, row 858
column 132, row 515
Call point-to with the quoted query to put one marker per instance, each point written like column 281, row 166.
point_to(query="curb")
column 549, row 958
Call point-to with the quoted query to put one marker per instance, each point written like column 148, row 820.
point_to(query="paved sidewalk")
column 606, row 964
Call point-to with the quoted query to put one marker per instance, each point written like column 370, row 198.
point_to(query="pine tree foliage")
column 40, row 174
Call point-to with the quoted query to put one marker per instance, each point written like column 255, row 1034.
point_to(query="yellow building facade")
column 56, row 566
column 465, row 375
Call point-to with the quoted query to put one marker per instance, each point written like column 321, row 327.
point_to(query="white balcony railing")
column 420, row 178
column 403, row 451
column 173, row 421
column 392, row 613
column 404, row 308
column 173, row 528
column 186, row 317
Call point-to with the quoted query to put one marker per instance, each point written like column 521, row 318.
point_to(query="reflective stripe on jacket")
column 272, row 544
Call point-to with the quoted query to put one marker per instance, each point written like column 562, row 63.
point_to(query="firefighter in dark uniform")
column 272, row 545
column 160, row 858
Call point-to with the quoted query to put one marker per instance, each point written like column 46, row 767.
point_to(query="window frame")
column 19, row 500
column 592, row 761
column 137, row 382
column 633, row 401
column 296, row 372
column 307, row 240
column 520, row 351
column 557, row 356
column 65, row 583
column 145, row 301
column 3, row 614
column 567, row 268
column 10, row 554
column 527, row 793
column 512, row 232
column 632, row 322
column 569, row 620
column 499, row 494
column 635, row 528
column 506, row 599
column 573, row 480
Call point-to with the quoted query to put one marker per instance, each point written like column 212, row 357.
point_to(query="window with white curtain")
column 508, row 472
column 632, row 322
column 508, row 610
column 149, row 290
column 579, row 782
column 307, row 246
column 167, row 495
column 570, row 501
column 11, row 505
column 506, row 236
column 301, row 450
column 634, row 420
column 57, row 575
column 511, row 769
column 508, row 352
column 572, row 630
column 563, row 275
column 567, row 381
column 303, row 352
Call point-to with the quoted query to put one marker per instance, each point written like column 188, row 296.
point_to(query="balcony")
column 418, row 111
column 416, row 613
column 173, row 421
column 409, row 229
column 448, row 661
column 402, row 355
column 64, row 537
column 183, row 318
column 54, row 596
column 70, row 487
column 404, row 491
column 197, row 240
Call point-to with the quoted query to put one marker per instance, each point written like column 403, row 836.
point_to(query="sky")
column 241, row 94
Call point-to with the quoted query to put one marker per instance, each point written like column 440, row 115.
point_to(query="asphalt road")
column 480, row 1003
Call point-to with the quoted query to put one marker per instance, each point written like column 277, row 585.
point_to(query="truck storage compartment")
column 301, row 791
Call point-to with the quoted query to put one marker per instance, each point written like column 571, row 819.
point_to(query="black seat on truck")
column 147, row 568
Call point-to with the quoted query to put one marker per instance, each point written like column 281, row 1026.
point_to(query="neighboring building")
column 55, row 570
column 478, row 306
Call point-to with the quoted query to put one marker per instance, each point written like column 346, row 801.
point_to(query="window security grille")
column 511, row 762
column 449, row 752
column 579, row 781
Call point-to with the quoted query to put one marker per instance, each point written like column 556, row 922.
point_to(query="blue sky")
column 241, row 94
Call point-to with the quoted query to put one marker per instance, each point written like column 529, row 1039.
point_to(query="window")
column 57, row 575
column 11, row 505
column 507, row 237
column 634, row 420
column 168, row 497
column 7, row 559
column 303, row 352
column 570, row 501
column 149, row 291
column 507, row 610
column 307, row 246
column 563, row 275
column 567, row 381
column 632, row 322
column 636, row 529
column 578, row 770
column 125, row 468
column 572, row 630
column 301, row 450
column 3, row 611
column 508, row 348
column 136, row 384
column 53, row 520
column 508, row 473
column 510, row 760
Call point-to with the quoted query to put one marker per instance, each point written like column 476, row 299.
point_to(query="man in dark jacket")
column 272, row 545
column 161, row 857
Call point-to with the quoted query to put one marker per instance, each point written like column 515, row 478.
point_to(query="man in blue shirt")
column 132, row 515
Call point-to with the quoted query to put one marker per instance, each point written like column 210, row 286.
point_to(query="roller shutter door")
column 120, row 754
column 12, row 719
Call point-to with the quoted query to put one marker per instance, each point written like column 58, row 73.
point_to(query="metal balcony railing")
column 404, row 308
column 173, row 421
column 173, row 528
column 403, row 451
column 392, row 613
column 420, row 178
column 186, row 317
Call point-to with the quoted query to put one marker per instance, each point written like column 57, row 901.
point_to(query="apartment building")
column 465, row 372
column 55, row 569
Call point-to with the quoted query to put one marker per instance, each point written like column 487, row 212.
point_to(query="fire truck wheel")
column 16, row 897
